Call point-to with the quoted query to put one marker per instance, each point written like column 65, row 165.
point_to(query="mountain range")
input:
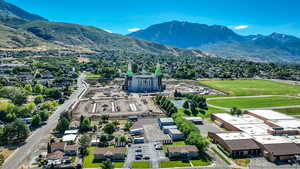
column 20, row 29
column 223, row 41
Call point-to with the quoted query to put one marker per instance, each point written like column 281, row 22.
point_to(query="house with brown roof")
column 115, row 154
column 182, row 152
column 57, row 155
column 58, row 146
column 71, row 150
column 236, row 144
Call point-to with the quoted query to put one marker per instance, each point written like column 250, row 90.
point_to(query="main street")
column 21, row 154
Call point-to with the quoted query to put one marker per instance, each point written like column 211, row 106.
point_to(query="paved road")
column 22, row 154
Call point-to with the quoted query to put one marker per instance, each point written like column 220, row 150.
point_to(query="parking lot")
column 145, row 152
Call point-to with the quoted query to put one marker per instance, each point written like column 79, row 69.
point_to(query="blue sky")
column 243, row 16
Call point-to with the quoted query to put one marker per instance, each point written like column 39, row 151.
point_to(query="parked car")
column 146, row 158
column 138, row 150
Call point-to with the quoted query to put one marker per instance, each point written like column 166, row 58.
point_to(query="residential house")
column 115, row 154
column 186, row 152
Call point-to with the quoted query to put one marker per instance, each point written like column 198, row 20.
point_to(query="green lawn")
column 171, row 164
column 140, row 164
column 252, row 87
column 290, row 111
column 175, row 143
column 200, row 162
column 256, row 102
column 91, row 75
column 88, row 160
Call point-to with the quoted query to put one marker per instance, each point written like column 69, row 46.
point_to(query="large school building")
column 276, row 135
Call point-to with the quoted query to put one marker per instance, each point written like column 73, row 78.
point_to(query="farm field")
column 252, row 87
column 259, row 102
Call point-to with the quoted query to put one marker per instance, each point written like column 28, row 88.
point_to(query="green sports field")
column 258, row 102
column 252, row 87
column 290, row 111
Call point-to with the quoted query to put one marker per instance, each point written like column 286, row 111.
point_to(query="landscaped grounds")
column 258, row 102
column 252, row 87
column 140, row 164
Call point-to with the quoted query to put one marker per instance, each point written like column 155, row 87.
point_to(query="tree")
column 85, row 125
column 239, row 112
column 128, row 125
column 109, row 128
column 1, row 159
column 36, row 120
column 44, row 115
column 187, row 112
column 107, row 164
column 28, row 87
column 104, row 118
column 53, row 93
column 16, row 131
column 84, row 143
column 233, row 111
column 63, row 125
column 38, row 88
column 38, row 99
column 186, row 105
column 15, row 94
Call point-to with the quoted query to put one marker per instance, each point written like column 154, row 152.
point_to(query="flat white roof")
column 75, row 131
column 254, row 129
column 69, row 137
column 269, row 139
column 166, row 120
column 234, row 136
column 271, row 115
column 234, row 120
column 288, row 124
column 174, row 131
column 295, row 139
column 193, row 118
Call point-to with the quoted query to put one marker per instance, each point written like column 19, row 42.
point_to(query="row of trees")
column 166, row 104
column 14, row 132
column 192, row 133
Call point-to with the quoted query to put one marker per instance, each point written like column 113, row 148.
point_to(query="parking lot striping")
column 113, row 107
column 94, row 107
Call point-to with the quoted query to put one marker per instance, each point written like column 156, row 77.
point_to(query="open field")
column 290, row 111
column 258, row 102
column 252, row 87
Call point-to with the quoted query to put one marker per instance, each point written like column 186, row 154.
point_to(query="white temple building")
column 143, row 83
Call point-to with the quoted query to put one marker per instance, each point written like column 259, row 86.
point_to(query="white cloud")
column 134, row 29
column 109, row 31
column 241, row 27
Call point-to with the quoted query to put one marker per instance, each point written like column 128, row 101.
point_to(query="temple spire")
column 129, row 69
column 157, row 70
